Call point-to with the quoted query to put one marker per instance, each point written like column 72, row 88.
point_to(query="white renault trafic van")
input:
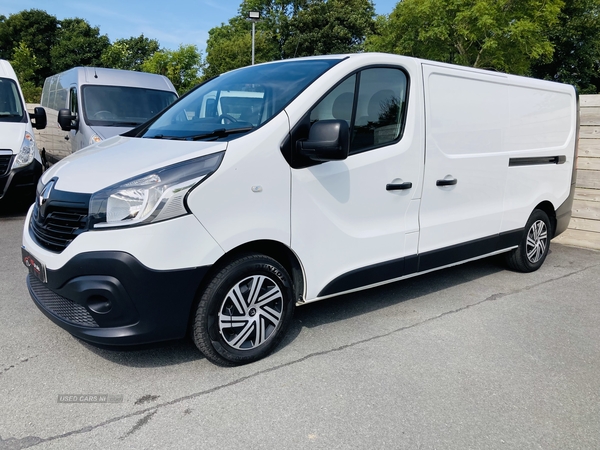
column 327, row 175
column 86, row 105
column 20, row 162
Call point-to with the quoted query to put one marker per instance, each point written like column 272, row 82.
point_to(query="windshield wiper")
column 125, row 124
column 221, row 132
column 9, row 115
column 162, row 136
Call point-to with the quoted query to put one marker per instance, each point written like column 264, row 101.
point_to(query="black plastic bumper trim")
column 146, row 305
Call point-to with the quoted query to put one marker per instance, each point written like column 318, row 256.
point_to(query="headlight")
column 25, row 156
column 151, row 197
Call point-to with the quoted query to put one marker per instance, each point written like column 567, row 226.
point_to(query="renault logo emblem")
column 44, row 196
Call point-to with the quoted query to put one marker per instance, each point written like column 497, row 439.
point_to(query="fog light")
column 99, row 304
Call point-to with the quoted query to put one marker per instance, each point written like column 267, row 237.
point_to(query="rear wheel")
column 533, row 248
column 244, row 311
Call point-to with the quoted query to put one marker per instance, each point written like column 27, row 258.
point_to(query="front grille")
column 59, row 227
column 4, row 163
column 59, row 306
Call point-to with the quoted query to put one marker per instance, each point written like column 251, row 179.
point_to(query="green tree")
column 330, row 26
column 576, row 40
column 289, row 28
column 129, row 54
column 504, row 35
column 230, row 46
column 26, row 65
column 37, row 30
column 77, row 44
column 181, row 66
column 275, row 22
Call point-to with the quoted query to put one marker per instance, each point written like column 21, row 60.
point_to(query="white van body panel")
column 342, row 216
column 256, row 178
column 140, row 157
column 11, row 136
column 476, row 122
column 154, row 253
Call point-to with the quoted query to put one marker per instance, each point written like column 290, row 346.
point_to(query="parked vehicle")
column 20, row 161
column 86, row 105
column 224, row 212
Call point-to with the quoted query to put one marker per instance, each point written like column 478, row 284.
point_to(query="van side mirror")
column 38, row 117
column 328, row 140
column 66, row 121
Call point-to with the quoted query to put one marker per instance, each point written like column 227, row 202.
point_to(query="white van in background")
column 329, row 175
column 86, row 105
column 20, row 162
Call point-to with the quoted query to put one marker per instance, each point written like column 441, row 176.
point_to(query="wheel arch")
column 548, row 208
column 274, row 249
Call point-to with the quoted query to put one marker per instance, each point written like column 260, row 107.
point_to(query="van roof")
column 114, row 77
column 6, row 70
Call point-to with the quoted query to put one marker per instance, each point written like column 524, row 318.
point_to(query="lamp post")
column 254, row 16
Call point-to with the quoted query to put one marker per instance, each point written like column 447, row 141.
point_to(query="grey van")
column 86, row 105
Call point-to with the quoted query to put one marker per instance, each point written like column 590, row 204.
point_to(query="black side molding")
column 397, row 268
column 536, row 161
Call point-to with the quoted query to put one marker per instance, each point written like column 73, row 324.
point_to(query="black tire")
column 232, row 325
column 533, row 248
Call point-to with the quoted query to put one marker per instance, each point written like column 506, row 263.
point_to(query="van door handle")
column 450, row 182
column 398, row 186
column 67, row 137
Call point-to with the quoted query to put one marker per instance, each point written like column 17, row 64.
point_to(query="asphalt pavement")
column 472, row 357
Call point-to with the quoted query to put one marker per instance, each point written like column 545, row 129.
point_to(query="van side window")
column 337, row 104
column 376, row 118
column 380, row 108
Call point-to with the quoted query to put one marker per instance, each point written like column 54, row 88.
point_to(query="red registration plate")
column 36, row 267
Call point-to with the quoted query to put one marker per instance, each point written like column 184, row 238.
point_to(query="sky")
column 171, row 22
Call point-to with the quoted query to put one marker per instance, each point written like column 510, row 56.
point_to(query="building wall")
column 584, row 228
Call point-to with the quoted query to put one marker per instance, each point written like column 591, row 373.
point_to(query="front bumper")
column 111, row 298
column 21, row 181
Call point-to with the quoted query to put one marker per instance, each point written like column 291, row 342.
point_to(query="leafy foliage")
column 26, row 65
column 37, row 30
column 504, row 35
column 181, row 66
column 289, row 28
column 330, row 27
column 576, row 40
column 77, row 44
column 129, row 54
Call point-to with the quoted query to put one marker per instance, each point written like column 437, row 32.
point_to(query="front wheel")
column 533, row 248
column 244, row 311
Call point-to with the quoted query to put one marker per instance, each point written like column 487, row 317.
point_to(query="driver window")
column 380, row 108
column 376, row 117
column 337, row 104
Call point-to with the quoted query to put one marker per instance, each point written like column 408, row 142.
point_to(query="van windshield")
column 120, row 106
column 11, row 107
column 238, row 101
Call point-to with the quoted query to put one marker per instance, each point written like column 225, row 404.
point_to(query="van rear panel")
column 507, row 141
